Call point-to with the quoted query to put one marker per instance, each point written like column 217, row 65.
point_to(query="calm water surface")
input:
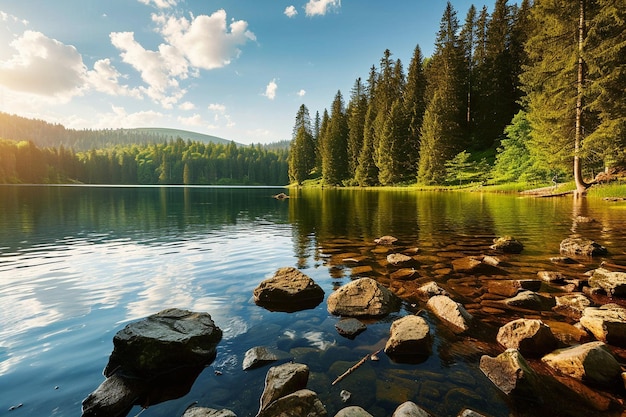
column 78, row 263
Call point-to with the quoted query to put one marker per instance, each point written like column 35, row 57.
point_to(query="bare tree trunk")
column 581, row 186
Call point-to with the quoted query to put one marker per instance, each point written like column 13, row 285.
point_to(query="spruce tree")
column 357, row 109
column 335, row 152
column 367, row 172
column 415, row 105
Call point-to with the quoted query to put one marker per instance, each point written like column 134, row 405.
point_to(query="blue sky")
column 237, row 69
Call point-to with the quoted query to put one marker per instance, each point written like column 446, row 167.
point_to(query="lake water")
column 79, row 263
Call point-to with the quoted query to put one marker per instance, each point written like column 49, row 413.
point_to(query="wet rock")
column 568, row 334
column 551, row 276
column 283, row 380
column 530, row 300
column 613, row 283
column 450, row 312
column 403, row 274
column 345, row 396
column 581, row 247
column 565, row 260
column 385, row 240
column 115, row 396
column 162, row 342
column 288, row 290
column 409, row 339
column 362, row 297
column 350, row 327
column 606, row 323
column 281, row 196
column 510, row 372
column 591, row 362
column 430, row 289
column 353, row 411
column 261, row 355
column 571, row 305
column 207, row 412
column 510, row 287
column 300, row 403
column 529, row 337
column 410, row 409
column 398, row 258
column 466, row 412
column 468, row 264
column 584, row 219
column 507, row 244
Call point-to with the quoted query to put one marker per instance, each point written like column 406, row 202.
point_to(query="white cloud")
column 105, row 78
column 6, row 17
column 161, row 4
column 321, row 7
column 218, row 108
column 270, row 90
column 301, row 93
column 44, row 66
column 187, row 105
column 290, row 11
column 195, row 120
column 120, row 118
column 205, row 41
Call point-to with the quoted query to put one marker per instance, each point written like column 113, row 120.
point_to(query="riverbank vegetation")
column 529, row 93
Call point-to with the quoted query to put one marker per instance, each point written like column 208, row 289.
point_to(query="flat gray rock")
column 260, row 355
column 350, row 327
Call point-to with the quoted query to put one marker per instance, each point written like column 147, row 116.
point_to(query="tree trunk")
column 581, row 186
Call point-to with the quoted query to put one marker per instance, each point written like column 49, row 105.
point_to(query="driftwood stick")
column 356, row 366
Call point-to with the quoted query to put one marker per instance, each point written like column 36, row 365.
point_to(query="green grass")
column 616, row 189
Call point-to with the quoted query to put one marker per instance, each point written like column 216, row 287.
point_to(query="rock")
column 466, row 412
column 530, row 300
column 288, row 290
column 350, row 327
column 507, row 244
column 613, row 283
column 410, row 338
column 606, row 323
column 581, row 247
column 345, row 396
column 403, row 274
column 300, row 403
column 511, row 374
column 468, row 264
column 529, row 337
column 353, row 411
column 162, row 342
column 207, row 412
column 510, row 287
column 551, row 276
column 362, row 297
column 283, row 380
column 450, row 312
column 113, row 397
column 584, row 219
column 398, row 258
column 385, row 240
column 431, row 289
column 281, row 196
column 591, row 362
column 260, row 355
column 571, row 305
column 565, row 260
column 410, row 409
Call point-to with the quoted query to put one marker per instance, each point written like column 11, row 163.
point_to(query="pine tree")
column 393, row 160
column 357, row 109
column 302, row 149
column 415, row 105
column 367, row 172
column 335, row 149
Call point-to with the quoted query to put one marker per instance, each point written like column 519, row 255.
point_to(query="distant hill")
column 178, row 133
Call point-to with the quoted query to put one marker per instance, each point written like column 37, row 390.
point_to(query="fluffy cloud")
column 301, row 93
column 105, row 78
column 43, row 66
column 270, row 90
column 161, row 4
column 218, row 108
column 195, row 120
column 5, row 17
column 321, row 7
column 290, row 11
column 120, row 118
column 187, row 105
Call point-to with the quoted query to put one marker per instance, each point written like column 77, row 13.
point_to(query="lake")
column 78, row 263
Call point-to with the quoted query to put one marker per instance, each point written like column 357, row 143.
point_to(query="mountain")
column 178, row 133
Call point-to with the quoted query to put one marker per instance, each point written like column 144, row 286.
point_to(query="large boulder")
column 453, row 314
column 410, row 339
column 529, row 337
column 581, row 247
column 353, row 411
column 303, row 402
column 162, row 342
column 591, row 362
column 613, row 283
column 510, row 372
column 507, row 244
column 283, row 380
column 606, row 323
column 410, row 409
column 288, row 290
column 362, row 297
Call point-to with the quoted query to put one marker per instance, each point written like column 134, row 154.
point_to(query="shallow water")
column 78, row 263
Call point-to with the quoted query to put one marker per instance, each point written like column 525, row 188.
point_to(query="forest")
column 522, row 94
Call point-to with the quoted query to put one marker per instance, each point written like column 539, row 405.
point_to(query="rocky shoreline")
column 541, row 336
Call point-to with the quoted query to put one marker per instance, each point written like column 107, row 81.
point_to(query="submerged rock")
column 409, row 339
column 288, row 290
column 529, row 337
column 591, row 362
column 207, row 412
column 350, row 327
column 581, row 247
column 507, row 244
column 410, row 409
column 362, row 297
column 283, row 380
column 261, row 355
column 386, row 240
column 450, row 312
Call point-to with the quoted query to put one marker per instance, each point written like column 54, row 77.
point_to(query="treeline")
column 47, row 135
column 516, row 94
column 174, row 162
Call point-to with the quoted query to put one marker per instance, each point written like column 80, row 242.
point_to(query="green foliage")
column 335, row 146
column 462, row 170
column 513, row 159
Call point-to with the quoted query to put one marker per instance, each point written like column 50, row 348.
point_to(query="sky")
column 236, row 69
